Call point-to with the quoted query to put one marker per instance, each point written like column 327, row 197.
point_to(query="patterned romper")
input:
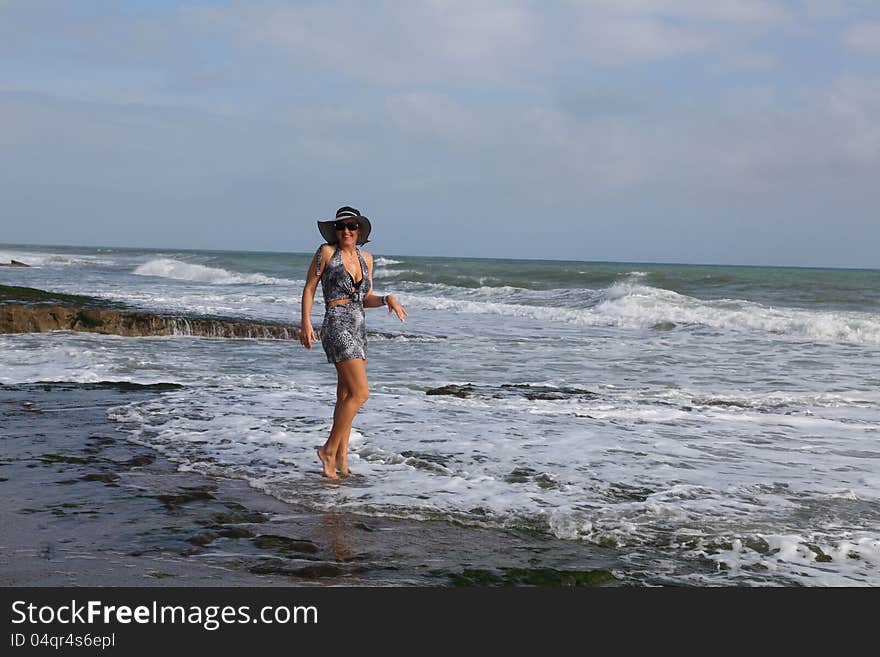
column 344, row 331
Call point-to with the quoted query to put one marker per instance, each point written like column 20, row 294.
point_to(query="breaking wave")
column 631, row 305
column 183, row 271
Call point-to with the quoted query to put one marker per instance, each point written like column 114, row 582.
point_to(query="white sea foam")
column 685, row 470
column 385, row 262
column 80, row 358
column 629, row 305
column 245, row 304
column 639, row 305
column 169, row 268
column 38, row 259
column 818, row 559
column 381, row 272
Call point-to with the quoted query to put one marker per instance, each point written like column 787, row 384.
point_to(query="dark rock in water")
column 60, row 458
column 121, row 386
column 317, row 571
column 130, row 386
column 757, row 544
column 553, row 577
column 13, row 263
column 285, row 544
column 105, row 477
column 202, row 539
column 452, row 389
column 720, row 402
column 506, row 390
column 171, row 501
column 544, row 395
column 238, row 515
column 204, row 488
column 279, row 567
column 159, row 575
column 519, row 475
column 532, row 577
column 437, row 459
column 627, row 493
column 235, row 532
column 476, row 577
column 529, row 391
column 524, row 475
column 138, row 461
column 532, row 392
column 546, row 481
column 821, row 557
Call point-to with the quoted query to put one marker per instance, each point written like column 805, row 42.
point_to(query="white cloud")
column 749, row 61
column 723, row 11
column 854, row 106
column 618, row 41
column 864, row 38
column 431, row 115
column 388, row 43
column 199, row 53
column 824, row 9
column 464, row 43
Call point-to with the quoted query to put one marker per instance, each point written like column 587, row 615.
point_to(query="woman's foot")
column 327, row 464
column 342, row 466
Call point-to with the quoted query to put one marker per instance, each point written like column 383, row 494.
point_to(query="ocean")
column 711, row 425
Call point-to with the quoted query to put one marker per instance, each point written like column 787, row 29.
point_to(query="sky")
column 728, row 132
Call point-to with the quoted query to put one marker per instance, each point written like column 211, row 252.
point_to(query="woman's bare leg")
column 342, row 453
column 352, row 378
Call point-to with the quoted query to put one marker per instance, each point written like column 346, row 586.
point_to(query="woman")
column 346, row 276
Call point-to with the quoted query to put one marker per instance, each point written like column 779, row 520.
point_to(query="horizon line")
column 448, row 257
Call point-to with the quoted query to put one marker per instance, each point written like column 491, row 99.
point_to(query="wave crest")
column 52, row 259
column 634, row 306
column 379, row 261
column 184, row 271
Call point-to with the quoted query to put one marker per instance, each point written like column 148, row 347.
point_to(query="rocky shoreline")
column 16, row 318
column 29, row 310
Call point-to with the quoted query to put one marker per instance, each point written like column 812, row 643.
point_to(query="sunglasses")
column 342, row 225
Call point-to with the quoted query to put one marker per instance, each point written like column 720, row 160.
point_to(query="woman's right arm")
column 313, row 275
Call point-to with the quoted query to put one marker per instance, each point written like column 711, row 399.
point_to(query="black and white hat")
column 328, row 232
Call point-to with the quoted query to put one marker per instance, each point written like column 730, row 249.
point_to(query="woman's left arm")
column 374, row 301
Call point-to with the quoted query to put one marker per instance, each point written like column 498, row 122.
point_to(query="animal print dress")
column 344, row 331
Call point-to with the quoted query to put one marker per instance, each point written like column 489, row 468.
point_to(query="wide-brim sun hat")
column 328, row 232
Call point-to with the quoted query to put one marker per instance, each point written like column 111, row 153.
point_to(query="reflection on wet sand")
column 340, row 536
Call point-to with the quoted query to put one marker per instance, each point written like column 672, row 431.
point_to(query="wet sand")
column 84, row 506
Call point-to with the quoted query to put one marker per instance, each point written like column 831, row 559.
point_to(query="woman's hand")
column 394, row 306
column 307, row 335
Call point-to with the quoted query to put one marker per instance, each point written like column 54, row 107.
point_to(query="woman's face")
column 346, row 235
